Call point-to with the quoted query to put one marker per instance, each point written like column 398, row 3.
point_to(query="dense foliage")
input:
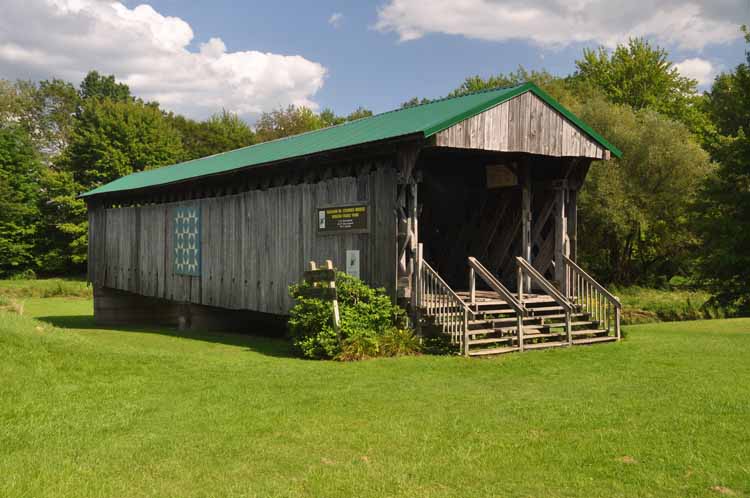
column 371, row 325
column 723, row 209
column 19, row 194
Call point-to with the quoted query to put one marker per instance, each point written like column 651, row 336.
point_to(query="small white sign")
column 322, row 219
column 352, row 263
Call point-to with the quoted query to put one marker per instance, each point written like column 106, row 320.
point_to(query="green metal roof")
column 426, row 119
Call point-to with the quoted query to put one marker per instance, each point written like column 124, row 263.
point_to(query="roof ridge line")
column 308, row 132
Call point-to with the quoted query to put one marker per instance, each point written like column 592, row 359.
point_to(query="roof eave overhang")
column 326, row 155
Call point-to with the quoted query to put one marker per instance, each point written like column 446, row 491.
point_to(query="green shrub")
column 359, row 347
column 27, row 274
column 371, row 325
column 399, row 342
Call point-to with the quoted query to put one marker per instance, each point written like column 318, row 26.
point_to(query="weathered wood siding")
column 523, row 124
column 254, row 244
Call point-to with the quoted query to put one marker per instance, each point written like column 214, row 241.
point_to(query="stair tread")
column 572, row 324
column 588, row 331
column 489, row 351
column 546, row 308
column 511, row 319
column 561, row 315
column 481, row 331
column 528, row 320
column 543, row 336
column 592, row 340
column 490, row 340
column 543, row 345
column 525, row 326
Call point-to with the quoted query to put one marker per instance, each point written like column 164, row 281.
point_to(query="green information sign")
column 343, row 219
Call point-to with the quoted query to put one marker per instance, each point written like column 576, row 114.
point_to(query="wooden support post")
column 520, row 331
column 526, row 223
column 573, row 224
column 568, row 328
column 561, row 233
column 413, row 234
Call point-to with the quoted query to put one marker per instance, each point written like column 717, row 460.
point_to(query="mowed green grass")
column 87, row 412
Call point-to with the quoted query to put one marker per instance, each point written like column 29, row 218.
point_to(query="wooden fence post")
column 326, row 278
column 336, row 317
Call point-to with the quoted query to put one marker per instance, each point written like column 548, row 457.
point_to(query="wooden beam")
column 526, row 221
column 561, row 231
column 573, row 224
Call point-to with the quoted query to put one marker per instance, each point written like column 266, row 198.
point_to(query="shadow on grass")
column 269, row 346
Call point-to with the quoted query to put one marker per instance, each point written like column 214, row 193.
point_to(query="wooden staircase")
column 485, row 323
column 494, row 327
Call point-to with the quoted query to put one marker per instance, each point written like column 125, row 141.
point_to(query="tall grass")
column 48, row 287
column 644, row 305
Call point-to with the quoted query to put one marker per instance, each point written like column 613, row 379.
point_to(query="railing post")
column 417, row 294
column 418, row 277
column 520, row 331
column 568, row 328
column 466, row 332
column 472, row 285
column 617, row 322
column 520, row 284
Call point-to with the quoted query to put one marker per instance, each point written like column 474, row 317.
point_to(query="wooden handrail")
column 591, row 296
column 544, row 283
column 447, row 287
column 496, row 285
column 449, row 311
column 611, row 297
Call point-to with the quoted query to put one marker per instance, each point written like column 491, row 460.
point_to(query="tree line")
column 58, row 140
column 675, row 210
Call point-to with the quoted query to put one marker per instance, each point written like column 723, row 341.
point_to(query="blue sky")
column 374, row 69
column 196, row 57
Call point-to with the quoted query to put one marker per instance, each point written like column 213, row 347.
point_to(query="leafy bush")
column 27, row 274
column 371, row 325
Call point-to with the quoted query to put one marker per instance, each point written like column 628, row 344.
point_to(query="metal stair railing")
column 592, row 297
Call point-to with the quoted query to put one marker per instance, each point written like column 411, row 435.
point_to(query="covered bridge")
column 447, row 205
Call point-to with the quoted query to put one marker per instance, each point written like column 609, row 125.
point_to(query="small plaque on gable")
column 499, row 176
column 187, row 240
column 343, row 219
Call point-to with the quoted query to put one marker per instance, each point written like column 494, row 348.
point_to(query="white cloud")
column 149, row 52
column 698, row 69
column 336, row 19
column 691, row 24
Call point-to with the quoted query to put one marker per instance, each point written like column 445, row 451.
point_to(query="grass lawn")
column 86, row 412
